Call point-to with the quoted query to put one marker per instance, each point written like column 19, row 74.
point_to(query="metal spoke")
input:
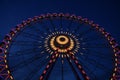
column 27, row 62
column 73, row 69
column 69, row 25
column 35, row 29
column 45, row 26
column 90, row 39
column 36, row 70
column 53, row 25
column 84, row 33
column 49, row 67
column 62, row 69
column 31, row 36
column 27, row 43
column 78, row 66
column 24, row 52
column 97, row 54
column 61, row 24
column 91, row 72
column 98, row 45
column 97, row 64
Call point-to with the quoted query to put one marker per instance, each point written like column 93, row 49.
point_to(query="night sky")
column 104, row 12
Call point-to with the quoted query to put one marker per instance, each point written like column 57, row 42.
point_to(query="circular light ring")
column 61, row 50
column 21, row 26
column 74, row 44
column 62, row 42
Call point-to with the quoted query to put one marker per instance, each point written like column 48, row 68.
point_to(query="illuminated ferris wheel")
column 59, row 47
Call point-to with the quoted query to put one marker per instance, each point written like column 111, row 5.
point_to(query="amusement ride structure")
column 59, row 47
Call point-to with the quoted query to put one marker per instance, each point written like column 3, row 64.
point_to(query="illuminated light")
column 114, row 50
column 79, row 66
column 116, row 59
column 8, row 72
column 6, row 66
column 83, row 71
column 5, row 61
column 116, row 64
column 62, row 55
column 76, row 61
column 59, row 55
column 61, row 50
column 113, row 74
column 47, row 66
column 53, row 42
column 87, row 78
column 41, row 78
column 115, row 69
column 5, row 51
column 56, row 55
column 53, row 56
column 50, row 61
column 11, row 77
column 51, row 53
column 53, row 60
column 5, row 56
column 8, row 42
column 67, row 55
column 44, row 72
column 6, row 46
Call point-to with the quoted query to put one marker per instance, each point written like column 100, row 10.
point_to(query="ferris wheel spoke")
column 27, row 43
column 91, row 39
column 52, row 24
column 46, row 73
column 24, row 52
column 96, row 54
column 27, row 62
column 84, row 32
column 73, row 69
column 31, row 36
column 36, row 70
column 61, row 23
column 96, row 64
column 89, row 71
column 69, row 25
column 62, row 62
column 100, row 45
column 79, row 66
column 45, row 26
column 35, row 29
column 77, row 28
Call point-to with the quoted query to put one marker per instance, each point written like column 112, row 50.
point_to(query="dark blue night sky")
column 104, row 12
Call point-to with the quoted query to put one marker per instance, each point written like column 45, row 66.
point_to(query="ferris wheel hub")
column 62, row 42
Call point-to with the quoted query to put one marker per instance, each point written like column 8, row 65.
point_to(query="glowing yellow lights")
column 8, row 72
column 61, row 50
column 6, row 66
column 60, row 41
column 11, row 77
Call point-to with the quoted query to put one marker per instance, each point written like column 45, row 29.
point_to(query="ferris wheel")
column 59, row 46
